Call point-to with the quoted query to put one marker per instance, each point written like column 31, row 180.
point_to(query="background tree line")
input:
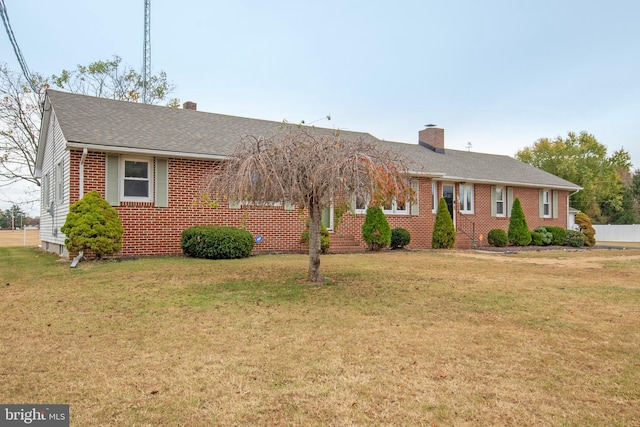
column 611, row 191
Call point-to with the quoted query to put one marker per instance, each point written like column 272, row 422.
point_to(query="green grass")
column 398, row 338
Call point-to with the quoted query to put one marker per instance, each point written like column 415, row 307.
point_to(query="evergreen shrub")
column 519, row 234
column 215, row 242
column 498, row 237
column 559, row 235
column 545, row 234
column 93, row 224
column 400, row 238
column 444, row 233
column 375, row 230
column 536, row 238
column 574, row 238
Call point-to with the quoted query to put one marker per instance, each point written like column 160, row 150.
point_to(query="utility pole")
column 146, row 61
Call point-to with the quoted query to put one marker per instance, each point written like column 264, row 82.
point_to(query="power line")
column 16, row 48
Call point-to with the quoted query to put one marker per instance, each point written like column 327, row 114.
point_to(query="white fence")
column 617, row 233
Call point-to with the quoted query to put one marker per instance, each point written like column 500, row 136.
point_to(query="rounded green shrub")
column 536, row 238
column 400, row 238
column 444, row 233
column 375, row 230
column 574, row 238
column 325, row 239
column 92, row 224
column 498, row 237
column 559, row 235
column 519, row 234
column 215, row 242
column 545, row 236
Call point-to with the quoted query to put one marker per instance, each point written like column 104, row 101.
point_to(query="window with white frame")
column 500, row 202
column 59, row 183
column 434, row 197
column 392, row 207
column 466, row 198
column 546, row 204
column 136, row 180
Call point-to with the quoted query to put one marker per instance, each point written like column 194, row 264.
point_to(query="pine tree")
column 376, row 230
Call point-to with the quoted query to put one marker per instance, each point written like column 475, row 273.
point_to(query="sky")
column 497, row 75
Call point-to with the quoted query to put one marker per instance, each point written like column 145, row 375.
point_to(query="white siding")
column 55, row 152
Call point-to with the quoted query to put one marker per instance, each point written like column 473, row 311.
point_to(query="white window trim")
column 503, row 200
column 149, row 179
column 59, row 191
column 434, row 197
column 547, row 201
column 464, row 188
column 393, row 211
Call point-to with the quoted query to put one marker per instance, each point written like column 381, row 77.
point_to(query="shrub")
column 574, row 238
column 536, row 238
column 400, row 238
column 498, row 237
column 325, row 239
column 559, row 235
column 518, row 233
column 584, row 222
column 375, row 230
column 444, row 233
column 93, row 224
column 213, row 242
column 545, row 234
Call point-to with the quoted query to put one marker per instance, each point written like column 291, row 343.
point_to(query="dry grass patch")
column 399, row 338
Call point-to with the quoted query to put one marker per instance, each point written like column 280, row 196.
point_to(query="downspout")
column 77, row 259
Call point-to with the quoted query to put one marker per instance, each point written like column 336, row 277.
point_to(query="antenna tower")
column 146, row 61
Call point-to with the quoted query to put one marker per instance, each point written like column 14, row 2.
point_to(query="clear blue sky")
column 497, row 73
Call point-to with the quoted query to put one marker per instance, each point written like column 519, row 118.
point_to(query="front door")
column 447, row 194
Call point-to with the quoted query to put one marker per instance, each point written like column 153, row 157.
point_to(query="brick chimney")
column 190, row 106
column 432, row 138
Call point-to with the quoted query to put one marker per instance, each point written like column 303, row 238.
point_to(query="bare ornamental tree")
column 313, row 169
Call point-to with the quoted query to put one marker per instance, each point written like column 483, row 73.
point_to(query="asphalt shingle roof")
column 121, row 125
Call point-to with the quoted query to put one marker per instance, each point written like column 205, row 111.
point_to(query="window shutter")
column 162, row 183
column 494, row 197
column 541, row 203
column 415, row 206
column 554, row 206
column 112, row 191
column 509, row 200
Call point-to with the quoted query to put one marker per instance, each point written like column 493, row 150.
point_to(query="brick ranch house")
column 150, row 163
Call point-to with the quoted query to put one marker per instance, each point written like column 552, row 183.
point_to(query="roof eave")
column 147, row 151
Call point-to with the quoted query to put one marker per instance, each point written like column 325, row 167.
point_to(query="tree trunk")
column 315, row 217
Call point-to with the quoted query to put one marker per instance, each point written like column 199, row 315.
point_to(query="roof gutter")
column 130, row 150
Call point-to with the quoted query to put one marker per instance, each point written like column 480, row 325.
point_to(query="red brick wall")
column 151, row 230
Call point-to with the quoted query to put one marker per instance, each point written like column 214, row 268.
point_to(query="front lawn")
column 399, row 338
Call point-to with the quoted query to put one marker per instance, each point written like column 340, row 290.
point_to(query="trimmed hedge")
column 536, row 238
column 545, row 234
column 559, row 235
column 584, row 222
column 498, row 237
column 214, row 242
column 574, row 238
column 400, row 238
